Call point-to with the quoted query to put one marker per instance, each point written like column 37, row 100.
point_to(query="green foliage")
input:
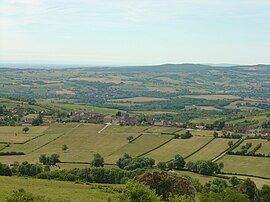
column 25, row 129
column 184, row 198
column 49, row 160
column 215, row 134
column 64, row 147
column 167, row 183
column 129, row 163
column 179, row 162
column 234, row 181
column 162, row 165
column 265, row 193
column 98, row 161
column 22, row 196
column 249, row 188
column 38, row 121
column 229, row 195
column 204, row 167
column 138, row 192
column 217, row 185
column 27, row 169
column 5, row 170
column 186, row 135
column 130, row 138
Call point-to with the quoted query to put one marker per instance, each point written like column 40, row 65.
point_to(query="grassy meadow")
column 58, row 190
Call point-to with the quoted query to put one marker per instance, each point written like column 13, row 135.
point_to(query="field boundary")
column 53, row 139
column 238, row 142
column 155, row 147
column 245, row 175
column 198, row 149
column 82, row 162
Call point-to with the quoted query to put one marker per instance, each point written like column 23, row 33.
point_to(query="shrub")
column 139, row 192
column 167, row 183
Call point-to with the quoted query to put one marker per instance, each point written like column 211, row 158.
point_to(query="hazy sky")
column 122, row 32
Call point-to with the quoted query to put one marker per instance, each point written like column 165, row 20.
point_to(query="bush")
column 22, row 196
column 249, row 188
column 5, row 170
column 138, row 192
column 167, row 183
column 184, row 198
column 98, row 161
column 204, row 167
column 229, row 195
column 49, row 160
column 128, row 163
column 265, row 193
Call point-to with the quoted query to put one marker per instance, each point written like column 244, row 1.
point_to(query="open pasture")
column 57, row 190
column 257, row 166
column 158, row 129
column 67, row 107
column 212, row 150
column 214, row 97
column 85, row 141
column 202, row 133
column 31, row 147
column 13, row 134
column 183, row 147
column 143, row 144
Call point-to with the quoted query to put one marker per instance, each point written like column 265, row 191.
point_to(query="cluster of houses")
column 118, row 119
column 93, row 117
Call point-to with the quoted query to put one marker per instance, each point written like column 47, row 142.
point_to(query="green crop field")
column 59, row 191
column 212, row 150
column 183, row 147
column 258, row 166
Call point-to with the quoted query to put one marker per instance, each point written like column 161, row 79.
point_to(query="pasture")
column 143, row 144
column 257, row 166
column 212, row 150
column 15, row 134
column 265, row 149
column 183, row 147
column 158, row 129
column 58, row 190
column 84, row 140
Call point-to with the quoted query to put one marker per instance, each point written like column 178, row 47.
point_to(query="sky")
column 135, row 32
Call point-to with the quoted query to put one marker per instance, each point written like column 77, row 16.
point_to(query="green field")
column 84, row 140
column 143, row 144
column 158, row 129
column 212, row 150
column 184, row 147
column 257, row 166
column 265, row 149
column 16, row 135
column 77, row 107
column 59, row 191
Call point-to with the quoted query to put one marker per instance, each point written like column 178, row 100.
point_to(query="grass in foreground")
column 59, row 191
